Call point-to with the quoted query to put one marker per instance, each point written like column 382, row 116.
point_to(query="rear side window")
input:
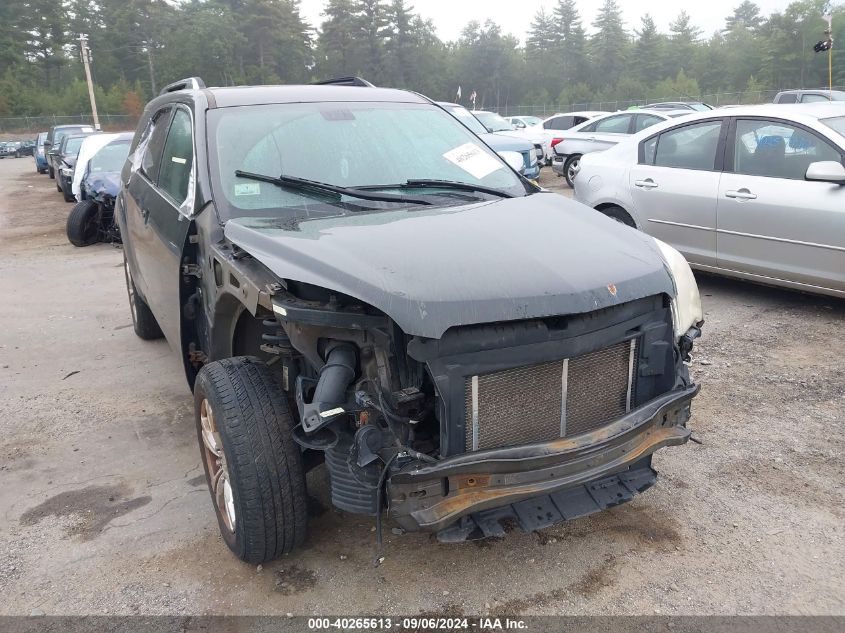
column 646, row 120
column 813, row 98
column 151, row 144
column 177, row 158
column 687, row 147
column 790, row 97
column 613, row 125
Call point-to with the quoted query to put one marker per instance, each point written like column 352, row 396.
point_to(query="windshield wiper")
column 453, row 184
column 301, row 184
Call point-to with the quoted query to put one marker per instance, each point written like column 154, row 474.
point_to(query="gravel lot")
column 105, row 509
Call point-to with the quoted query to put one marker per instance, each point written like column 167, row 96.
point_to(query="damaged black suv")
column 351, row 277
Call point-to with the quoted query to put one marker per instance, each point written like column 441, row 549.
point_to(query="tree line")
column 140, row 45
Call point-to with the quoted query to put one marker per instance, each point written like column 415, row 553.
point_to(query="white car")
column 601, row 133
column 522, row 122
column 561, row 122
column 497, row 125
column 754, row 192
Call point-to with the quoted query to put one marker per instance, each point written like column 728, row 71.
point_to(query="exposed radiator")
column 547, row 401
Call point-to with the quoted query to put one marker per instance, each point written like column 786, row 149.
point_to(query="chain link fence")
column 35, row 124
column 746, row 97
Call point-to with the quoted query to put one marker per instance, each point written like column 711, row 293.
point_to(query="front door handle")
column 648, row 183
column 145, row 214
column 741, row 194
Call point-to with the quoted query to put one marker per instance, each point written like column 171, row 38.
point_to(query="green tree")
column 608, row 46
column 572, row 56
column 647, row 58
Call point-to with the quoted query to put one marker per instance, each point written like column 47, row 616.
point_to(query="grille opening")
column 551, row 400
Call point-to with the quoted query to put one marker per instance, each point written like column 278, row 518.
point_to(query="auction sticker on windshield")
column 473, row 160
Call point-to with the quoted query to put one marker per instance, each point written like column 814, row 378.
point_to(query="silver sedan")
column 754, row 192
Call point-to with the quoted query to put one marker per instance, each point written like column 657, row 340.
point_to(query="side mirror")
column 826, row 171
column 514, row 159
column 47, row 144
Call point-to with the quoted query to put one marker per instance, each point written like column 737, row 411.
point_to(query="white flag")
column 459, row 93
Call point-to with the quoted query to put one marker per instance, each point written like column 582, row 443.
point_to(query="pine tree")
column 336, row 43
column 609, row 44
column 648, row 51
column 571, row 43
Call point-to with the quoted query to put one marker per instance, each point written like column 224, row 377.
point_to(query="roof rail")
column 189, row 83
column 345, row 81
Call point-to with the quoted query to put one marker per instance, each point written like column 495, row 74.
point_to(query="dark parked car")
column 66, row 161
column 463, row 350
column 39, row 153
column 25, row 148
column 54, row 139
column 92, row 219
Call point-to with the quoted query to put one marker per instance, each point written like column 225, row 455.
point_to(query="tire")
column 248, row 450
column 83, row 224
column 619, row 214
column 143, row 321
column 68, row 196
column 51, row 172
column 571, row 161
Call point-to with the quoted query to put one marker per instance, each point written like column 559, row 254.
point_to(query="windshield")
column 531, row 120
column 110, row 158
column 350, row 145
column 836, row 123
column 467, row 118
column 700, row 107
column 493, row 122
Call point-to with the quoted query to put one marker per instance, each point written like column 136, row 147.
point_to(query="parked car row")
column 86, row 165
column 16, row 149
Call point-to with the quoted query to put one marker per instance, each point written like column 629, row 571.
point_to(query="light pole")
column 86, row 60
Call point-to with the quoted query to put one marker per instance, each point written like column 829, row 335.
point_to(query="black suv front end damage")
column 523, row 423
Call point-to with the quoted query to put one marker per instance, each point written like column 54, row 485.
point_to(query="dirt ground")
column 104, row 509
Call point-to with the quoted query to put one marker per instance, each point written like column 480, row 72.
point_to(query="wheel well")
column 609, row 205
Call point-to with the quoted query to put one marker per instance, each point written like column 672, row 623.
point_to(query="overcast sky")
column 514, row 16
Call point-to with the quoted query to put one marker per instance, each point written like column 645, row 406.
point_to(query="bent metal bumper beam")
column 431, row 497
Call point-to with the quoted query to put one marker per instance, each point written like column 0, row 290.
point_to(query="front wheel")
column 252, row 465
column 570, row 167
column 51, row 172
column 83, row 224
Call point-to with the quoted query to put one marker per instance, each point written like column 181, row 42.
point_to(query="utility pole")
column 86, row 61
column 830, row 53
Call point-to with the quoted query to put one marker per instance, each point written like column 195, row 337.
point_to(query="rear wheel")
column 252, row 465
column 83, row 224
column 619, row 214
column 145, row 324
column 569, row 169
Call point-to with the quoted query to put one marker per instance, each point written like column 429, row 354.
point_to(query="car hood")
column 432, row 269
column 102, row 183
